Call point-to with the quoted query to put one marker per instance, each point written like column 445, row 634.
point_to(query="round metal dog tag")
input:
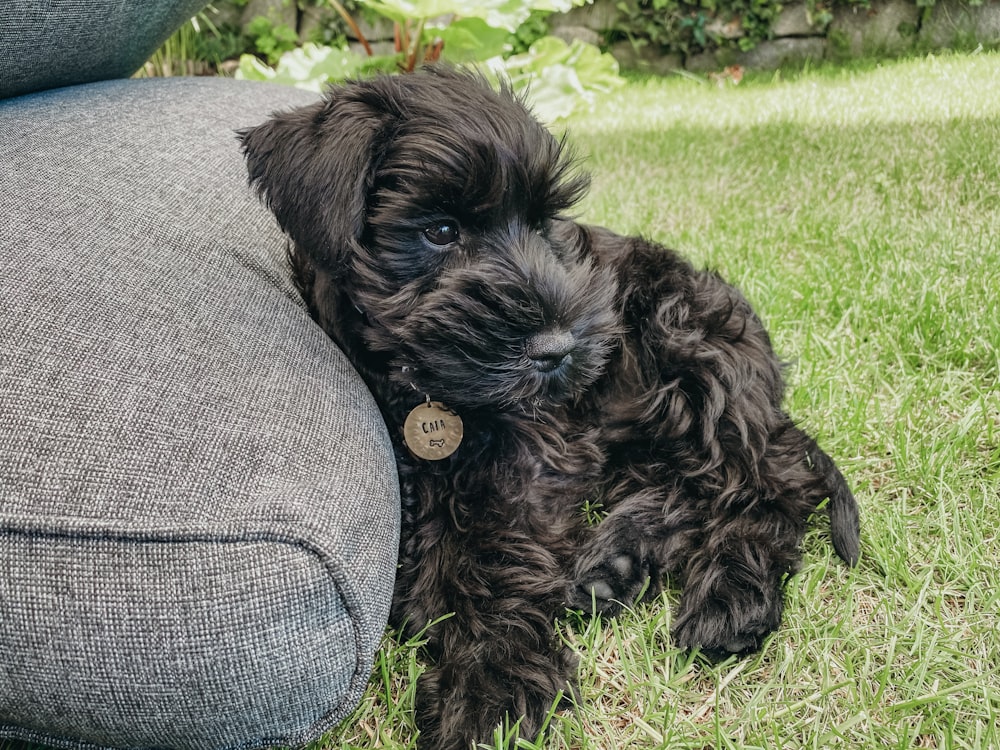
column 432, row 431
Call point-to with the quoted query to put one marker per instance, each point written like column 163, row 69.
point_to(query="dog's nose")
column 549, row 350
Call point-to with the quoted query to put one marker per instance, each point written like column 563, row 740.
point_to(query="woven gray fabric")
column 50, row 43
column 198, row 501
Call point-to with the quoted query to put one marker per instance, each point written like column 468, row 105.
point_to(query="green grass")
column 860, row 211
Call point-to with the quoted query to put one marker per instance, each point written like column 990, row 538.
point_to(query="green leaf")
column 252, row 69
column 402, row 10
column 498, row 14
column 309, row 67
column 471, row 39
column 559, row 78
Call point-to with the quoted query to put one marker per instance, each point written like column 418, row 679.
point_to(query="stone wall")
column 886, row 28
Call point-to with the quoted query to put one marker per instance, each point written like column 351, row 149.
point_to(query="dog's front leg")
column 495, row 656
column 732, row 572
column 478, row 685
column 731, row 556
column 734, row 582
column 651, row 529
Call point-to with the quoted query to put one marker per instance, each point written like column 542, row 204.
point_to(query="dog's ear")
column 313, row 168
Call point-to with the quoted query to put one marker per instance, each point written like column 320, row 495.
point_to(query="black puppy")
column 527, row 367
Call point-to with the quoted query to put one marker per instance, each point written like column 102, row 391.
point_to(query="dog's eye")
column 441, row 234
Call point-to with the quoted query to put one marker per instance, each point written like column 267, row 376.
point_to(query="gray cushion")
column 50, row 43
column 198, row 502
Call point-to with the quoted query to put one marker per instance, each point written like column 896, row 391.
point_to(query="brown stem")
column 354, row 27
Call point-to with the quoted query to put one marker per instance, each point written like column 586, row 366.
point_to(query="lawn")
column 859, row 210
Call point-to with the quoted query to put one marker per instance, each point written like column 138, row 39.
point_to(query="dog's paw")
column 722, row 624
column 462, row 705
column 605, row 584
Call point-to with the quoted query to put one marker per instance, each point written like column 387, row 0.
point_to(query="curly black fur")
column 430, row 240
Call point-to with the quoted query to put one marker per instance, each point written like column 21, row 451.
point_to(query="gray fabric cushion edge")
column 45, row 45
column 329, row 563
